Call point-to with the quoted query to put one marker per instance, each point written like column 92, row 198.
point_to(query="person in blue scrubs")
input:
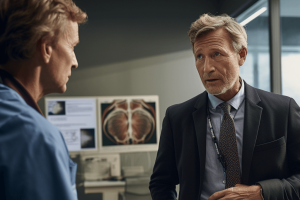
column 37, row 40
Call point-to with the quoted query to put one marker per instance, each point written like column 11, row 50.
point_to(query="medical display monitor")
column 76, row 119
column 128, row 123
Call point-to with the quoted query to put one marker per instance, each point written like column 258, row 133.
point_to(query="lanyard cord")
column 214, row 138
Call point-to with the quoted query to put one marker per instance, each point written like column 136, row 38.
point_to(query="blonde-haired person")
column 37, row 40
column 232, row 141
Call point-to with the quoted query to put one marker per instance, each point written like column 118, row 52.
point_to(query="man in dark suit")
column 232, row 141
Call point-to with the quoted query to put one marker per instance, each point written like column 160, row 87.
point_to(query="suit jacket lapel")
column 251, row 125
column 200, row 123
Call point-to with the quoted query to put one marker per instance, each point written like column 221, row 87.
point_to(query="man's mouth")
column 211, row 80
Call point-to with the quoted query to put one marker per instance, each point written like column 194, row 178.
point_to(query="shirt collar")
column 234, row 102
column 10, row 81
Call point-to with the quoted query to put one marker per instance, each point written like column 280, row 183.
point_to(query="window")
column 290, row 48
column 256, row 70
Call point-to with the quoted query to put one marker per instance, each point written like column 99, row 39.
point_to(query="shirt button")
column 224, row 182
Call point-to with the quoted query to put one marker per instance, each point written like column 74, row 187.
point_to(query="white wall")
column 173, row 77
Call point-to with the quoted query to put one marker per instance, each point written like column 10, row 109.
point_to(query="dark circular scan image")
column 128, row 122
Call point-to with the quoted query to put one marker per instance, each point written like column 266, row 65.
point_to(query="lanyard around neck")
column 214, row 138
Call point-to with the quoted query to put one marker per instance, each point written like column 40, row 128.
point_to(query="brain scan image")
column 128, row 122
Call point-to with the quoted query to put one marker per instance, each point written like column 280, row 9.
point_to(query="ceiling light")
column 253, row 16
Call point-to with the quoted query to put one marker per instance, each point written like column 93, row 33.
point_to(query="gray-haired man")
column 232, row 141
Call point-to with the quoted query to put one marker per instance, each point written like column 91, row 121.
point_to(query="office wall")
column 126, row 30
column 172, row 76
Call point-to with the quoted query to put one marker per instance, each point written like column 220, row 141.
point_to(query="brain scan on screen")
column 126, row 122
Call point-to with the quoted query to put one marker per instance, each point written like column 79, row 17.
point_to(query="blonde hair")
column 209, row 22
column 24, row 22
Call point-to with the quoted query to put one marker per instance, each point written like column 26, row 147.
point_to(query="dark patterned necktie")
column 228, row 147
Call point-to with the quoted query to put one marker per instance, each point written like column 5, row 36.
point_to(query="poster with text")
column 76, row 119
column 128, row 123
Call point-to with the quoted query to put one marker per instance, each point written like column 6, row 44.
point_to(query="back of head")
column 208, row 22
column 24, row 22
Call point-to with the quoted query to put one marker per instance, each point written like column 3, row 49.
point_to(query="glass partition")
column 256, row 70
column 290, row 48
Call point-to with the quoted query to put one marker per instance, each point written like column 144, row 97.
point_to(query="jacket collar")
column 200, row 124
column 201, row 101
column 251, row 94
column 251, row 126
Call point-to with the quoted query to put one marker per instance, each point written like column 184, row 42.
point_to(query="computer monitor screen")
column 76, row 119
column 128, row 123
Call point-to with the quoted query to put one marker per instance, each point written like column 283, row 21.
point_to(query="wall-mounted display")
column 128, row 123
column 76, row 119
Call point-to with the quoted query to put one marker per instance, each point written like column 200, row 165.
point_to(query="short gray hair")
column 209, row 22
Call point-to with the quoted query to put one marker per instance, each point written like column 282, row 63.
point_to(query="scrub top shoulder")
column 34, row 159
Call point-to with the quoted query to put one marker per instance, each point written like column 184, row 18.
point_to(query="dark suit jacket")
column 271, row 147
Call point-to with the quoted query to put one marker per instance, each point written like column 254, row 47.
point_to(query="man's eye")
column 217, row 54
column 199, row 56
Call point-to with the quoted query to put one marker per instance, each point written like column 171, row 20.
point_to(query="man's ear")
column 46, row 50
column 242, row 56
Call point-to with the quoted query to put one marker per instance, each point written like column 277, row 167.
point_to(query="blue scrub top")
column 34, row 159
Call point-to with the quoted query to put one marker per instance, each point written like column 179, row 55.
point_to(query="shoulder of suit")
column 184, row 107
column 274, row 103
column 269, row 96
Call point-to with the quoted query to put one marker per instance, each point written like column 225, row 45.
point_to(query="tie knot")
column 225, row 107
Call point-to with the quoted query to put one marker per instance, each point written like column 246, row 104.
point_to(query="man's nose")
column 74, row 62
column 208, row 65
